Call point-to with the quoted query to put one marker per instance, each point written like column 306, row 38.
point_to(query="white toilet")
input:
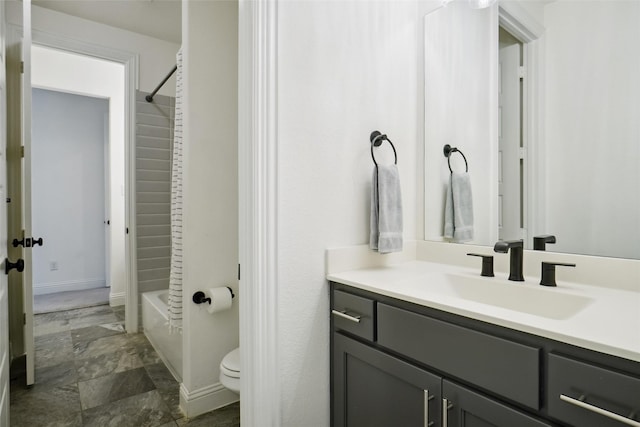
column 230, row 371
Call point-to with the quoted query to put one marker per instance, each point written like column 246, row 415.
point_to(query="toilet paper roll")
column 220, row 299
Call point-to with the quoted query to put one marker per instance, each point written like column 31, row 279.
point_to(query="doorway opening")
column 79, row 154
column 511, row 139
column 70, row 185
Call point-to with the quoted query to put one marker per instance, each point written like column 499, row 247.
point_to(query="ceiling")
column 155, row 18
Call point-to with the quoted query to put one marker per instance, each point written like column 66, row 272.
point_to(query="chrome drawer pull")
column 344, row 315
column 600, row 411
column 427, row 398
column 446, row 405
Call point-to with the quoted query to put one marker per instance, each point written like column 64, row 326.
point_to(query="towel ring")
column 447, row 150
column 377, row 139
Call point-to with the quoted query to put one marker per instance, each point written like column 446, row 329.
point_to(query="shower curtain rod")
column 149, row 97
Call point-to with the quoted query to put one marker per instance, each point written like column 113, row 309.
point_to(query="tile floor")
column 89, row 372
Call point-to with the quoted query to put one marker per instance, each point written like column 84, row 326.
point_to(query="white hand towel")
column 458, row 209
column 386, row 210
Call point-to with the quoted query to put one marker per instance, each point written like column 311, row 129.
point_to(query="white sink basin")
column 524, row 297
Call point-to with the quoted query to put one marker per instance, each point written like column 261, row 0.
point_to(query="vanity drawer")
column 353, row 314
column 503, row 367
column 587, row 395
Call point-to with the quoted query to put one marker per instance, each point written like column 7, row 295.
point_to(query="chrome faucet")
column 515, row 263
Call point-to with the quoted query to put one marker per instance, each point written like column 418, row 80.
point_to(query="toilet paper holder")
column 200, row 298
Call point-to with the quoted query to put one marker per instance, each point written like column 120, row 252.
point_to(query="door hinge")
column 21, row 67
column 238, row 271
column 521, row 72
column 24, row 318
column 522, row 153
column 22, row 151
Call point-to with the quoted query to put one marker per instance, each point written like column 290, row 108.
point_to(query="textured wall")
column 344, row 69
column 210, row 184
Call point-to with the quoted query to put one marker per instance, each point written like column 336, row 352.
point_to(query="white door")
column 18, row 83
column 4, row 306
column 509, row 152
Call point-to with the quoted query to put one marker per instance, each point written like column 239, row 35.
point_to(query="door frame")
column 107, row 202
column 512, row 181
column 130, row 61
column 258, row 213
column 517, row 21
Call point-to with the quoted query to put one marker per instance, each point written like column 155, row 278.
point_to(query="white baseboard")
column 205, row 399
column 116, row 298
column 71, row 285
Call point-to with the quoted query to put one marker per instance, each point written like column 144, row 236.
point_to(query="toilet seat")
column 230, row 365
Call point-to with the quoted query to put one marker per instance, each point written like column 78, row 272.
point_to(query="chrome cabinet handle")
column 427, row 398
column 344, row 315
column 600, row 411
column 446, row 405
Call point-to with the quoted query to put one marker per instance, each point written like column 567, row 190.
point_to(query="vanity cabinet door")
column 373, row 389
column 463, row 407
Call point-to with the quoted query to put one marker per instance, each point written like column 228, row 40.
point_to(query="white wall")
column 210, row 182
column 344, row 70
column 157, row 57
column 534, row 8
column 68, row 189
column 72, row 73
column 461, row 102
column 592, row 128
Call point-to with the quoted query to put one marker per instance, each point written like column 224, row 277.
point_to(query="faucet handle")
column 539, row 242
column 548, row 277
column 503, row 246
column 487, row 264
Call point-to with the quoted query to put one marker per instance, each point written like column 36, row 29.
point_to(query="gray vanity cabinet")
column 372, row 388
column 398, row 364
column 379, row 390
column 465, row 407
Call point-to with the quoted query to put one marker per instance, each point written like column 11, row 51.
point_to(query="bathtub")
column 155, row 322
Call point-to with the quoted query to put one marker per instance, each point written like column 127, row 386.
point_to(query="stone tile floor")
column 89, row 372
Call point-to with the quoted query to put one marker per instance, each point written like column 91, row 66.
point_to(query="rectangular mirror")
column 543, row 99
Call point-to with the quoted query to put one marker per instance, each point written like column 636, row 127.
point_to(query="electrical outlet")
column 53, row 265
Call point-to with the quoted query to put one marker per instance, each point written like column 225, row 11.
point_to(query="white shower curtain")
column 175, row 276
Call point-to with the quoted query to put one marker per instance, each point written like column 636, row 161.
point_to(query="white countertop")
column 597, row 318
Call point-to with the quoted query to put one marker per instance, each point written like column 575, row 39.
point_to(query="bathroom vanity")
column 408, row 355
